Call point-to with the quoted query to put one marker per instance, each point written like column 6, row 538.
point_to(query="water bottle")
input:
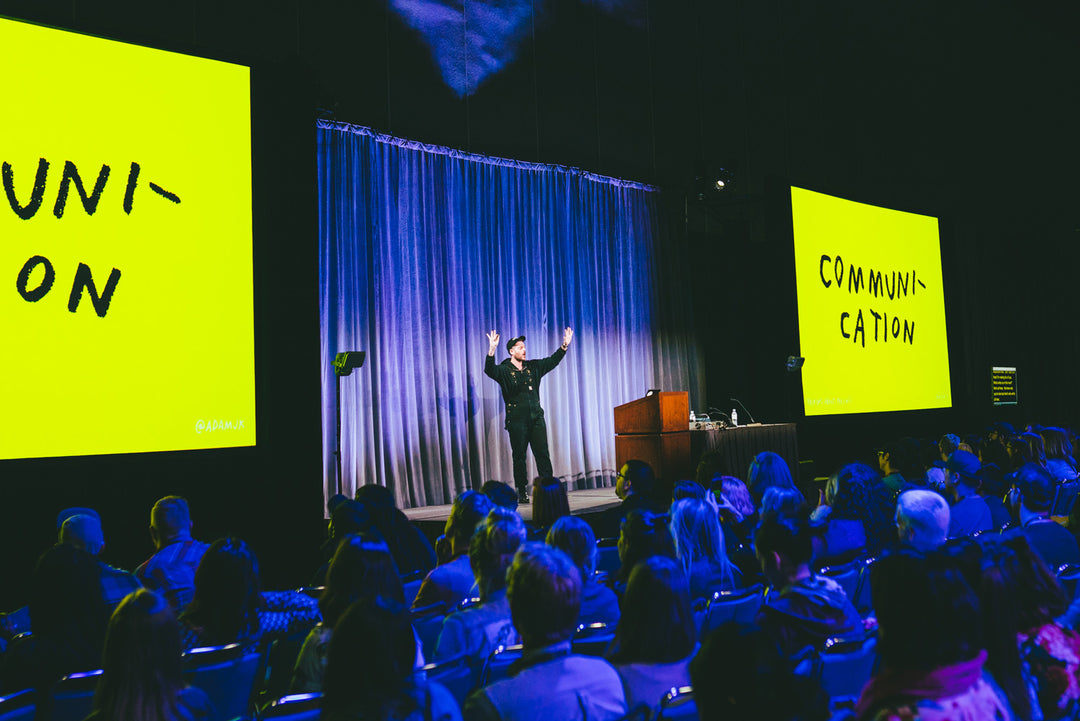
column 693, row 418
column 734, row 417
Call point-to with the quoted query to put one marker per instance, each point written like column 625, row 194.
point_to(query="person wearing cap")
column 519, row 380
column 1032, row 496
column 83, row 531
column 969, row 512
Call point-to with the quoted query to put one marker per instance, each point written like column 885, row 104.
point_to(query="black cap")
column 513, row 342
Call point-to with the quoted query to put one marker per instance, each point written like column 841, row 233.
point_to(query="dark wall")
column 961, row 110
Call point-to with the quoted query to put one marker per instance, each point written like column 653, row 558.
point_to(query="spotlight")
column 725, row 180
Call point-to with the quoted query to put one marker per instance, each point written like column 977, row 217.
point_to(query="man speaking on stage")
column 520, row 383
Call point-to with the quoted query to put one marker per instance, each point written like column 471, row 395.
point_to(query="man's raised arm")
column 490, row 369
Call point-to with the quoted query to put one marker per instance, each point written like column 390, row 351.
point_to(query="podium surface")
column 656, row 429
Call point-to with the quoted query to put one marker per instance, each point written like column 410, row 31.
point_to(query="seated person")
column 809, row 608
column 656, row 635
column 638, row 489
column 770, row 470
column 142, row 666
column 969, row 513
column 411, row 549
column 931, row 663
column 544, row 588
column 575, row 538
column 699, row 546
column 479, row 630
column 83, row 531
column 1032, row 495
column 859, row 508
column 369, row 669
column 450, row 582
column 643, row 534
column 740, row 674
column 171, row 570
column 922, row 519
column 549, row 504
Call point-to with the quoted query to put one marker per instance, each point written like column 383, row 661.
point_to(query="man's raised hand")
column 493, row 341
column 567, row 336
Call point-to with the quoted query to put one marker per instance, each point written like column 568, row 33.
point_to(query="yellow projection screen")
column 871, row 307
column 126, row 299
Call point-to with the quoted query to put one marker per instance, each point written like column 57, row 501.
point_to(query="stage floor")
column 587, row 501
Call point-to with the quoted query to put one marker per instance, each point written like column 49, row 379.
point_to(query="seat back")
column 678, row 705
column 411, row 588
column 428, row 623
column 607, row 555
column 847, row 575
column 863, row 599
column 297, row 707
column 456, row 674
column 741, row 605
column 846, row 666
column 18, row 706
column 1065, row 498
column 227, row 674
column 593, row 639
column 73, row 696
column 497, row 666
column 1067, row 576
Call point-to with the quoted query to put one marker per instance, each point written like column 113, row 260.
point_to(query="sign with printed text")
column 126, row 289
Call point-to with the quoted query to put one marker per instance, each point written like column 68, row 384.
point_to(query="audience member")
column 346, row 517
column 769, row 470
column 892, row 460
column 449, row 584
column 411, row 549
column 642, row 535
column 992, row 489
column 369, row 669
column 931, row 663
column 688, row 489
column 229, row 606
column 362, row 568
column 549, row 505
column 969, row 513
column 143, row 679
column 1032, row 495
column 637, row 488
column 740, row 674
column 68, row 616
column 809, row 608
column 738, row 516
column 922, row 519
column 501, row 494
column 699, row 546
column 544, row 589
column 575, row 538
column 479, row 630
column 656, row 634
column 83, row 531
column 1035, row 446
column 860, row 515
column 1059, row 460
column 782, row 501
column 171, row 570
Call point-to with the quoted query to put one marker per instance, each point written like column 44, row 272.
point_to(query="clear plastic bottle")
column 734, row 417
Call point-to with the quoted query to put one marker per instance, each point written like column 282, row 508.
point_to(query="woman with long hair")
column 656, row 634
column 369, row 669
column 549, row 504
column 641, row 535
column 769, row 470
column 699, row 546
column 225, row 607
column 362, row 567
column 1059, row 454
column 142, row 679
column 861, row 514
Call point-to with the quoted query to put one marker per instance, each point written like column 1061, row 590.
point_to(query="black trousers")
column 525, row 432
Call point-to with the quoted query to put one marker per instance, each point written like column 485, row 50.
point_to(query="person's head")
column 371, row 656
column 783, row 501
column 516, row 348
column 947, row 445
column 348, row 516
column 362, row 567
column 635, row 477
column 737, row 494
column 893, row 457
column 769, row 470
column 1035, row 445
column 83, row 532
column 501, row 494
column 657, row 623
column 641, row 535
column 741, row 674
column 856, row 493
column 695, row 529
column 1058, row 444
column 710, row 468
column 1019, row 451
column 468, row 510
column 141, row 660
column 66, row 603
column 688, row 489
column 576, row 539
column 783, row 547
column 543, row 587
column 1033, row 489
column 493, row 547
column 375, row 496
column 227, row 593
column 962, row 472
column 922, row 519
column 170, row 520
column 909, row 637
column 549, row 501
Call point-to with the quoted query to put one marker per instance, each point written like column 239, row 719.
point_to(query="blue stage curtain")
column 422, row 251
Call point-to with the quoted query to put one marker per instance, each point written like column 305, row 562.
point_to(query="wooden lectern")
column 656, row 429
